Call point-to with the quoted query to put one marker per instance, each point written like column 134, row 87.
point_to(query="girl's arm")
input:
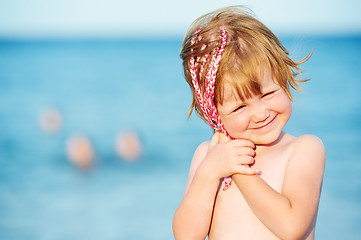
column 289, row 214
column 211, row 162
column 193, row 217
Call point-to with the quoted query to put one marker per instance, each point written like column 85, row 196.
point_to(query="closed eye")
column 268, row 94
column 239, row 108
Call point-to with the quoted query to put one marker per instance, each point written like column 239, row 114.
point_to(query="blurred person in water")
column 80, row 151
column 51, row 120
column 128, row 145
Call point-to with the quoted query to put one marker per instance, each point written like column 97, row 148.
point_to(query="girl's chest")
column 232, row 213
column 273, row 169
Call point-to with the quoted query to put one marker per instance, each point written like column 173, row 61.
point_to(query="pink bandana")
column 206, row 99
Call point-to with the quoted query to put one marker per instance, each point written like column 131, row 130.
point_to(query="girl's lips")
column 267, row 124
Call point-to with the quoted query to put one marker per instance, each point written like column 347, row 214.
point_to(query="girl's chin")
column 267, row 140
column 264, row 139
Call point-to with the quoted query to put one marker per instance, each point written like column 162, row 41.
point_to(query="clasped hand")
column 226, row 157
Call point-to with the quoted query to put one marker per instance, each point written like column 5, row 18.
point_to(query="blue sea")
column 103, row 87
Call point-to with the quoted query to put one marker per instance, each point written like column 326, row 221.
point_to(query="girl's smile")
column 267, row 125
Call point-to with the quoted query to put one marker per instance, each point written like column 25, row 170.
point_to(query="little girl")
column 252, row 180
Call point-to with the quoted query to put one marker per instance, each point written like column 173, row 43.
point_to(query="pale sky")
column 102, row 18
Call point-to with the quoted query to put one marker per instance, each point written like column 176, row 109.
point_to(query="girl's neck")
column 263, row 148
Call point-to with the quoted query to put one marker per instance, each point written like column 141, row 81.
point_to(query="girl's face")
column 260, row 118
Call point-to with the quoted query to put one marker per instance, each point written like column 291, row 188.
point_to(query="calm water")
column 104, row 87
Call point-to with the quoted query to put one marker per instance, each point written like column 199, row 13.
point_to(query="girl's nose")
column 260, row 113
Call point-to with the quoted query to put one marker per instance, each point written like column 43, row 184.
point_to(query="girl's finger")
column 246, row 151
column 244, row 143
column 243, row 151
column 246, row 160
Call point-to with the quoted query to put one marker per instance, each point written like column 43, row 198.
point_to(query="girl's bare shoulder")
column 199, row 154
column 309, row 141
column 309, row 147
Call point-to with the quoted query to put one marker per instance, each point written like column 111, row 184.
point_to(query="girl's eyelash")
column 269, row 93
column 238, row 108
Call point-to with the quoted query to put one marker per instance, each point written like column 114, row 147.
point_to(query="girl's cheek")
column 242, row 121
column 287, row 105
column 238, row 123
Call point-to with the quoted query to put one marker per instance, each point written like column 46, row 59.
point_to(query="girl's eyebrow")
column 225, row 108
column 270, row 87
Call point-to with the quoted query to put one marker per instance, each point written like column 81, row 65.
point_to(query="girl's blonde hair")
column 251, row 47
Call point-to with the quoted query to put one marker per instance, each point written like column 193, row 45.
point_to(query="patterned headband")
column 206, row 99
